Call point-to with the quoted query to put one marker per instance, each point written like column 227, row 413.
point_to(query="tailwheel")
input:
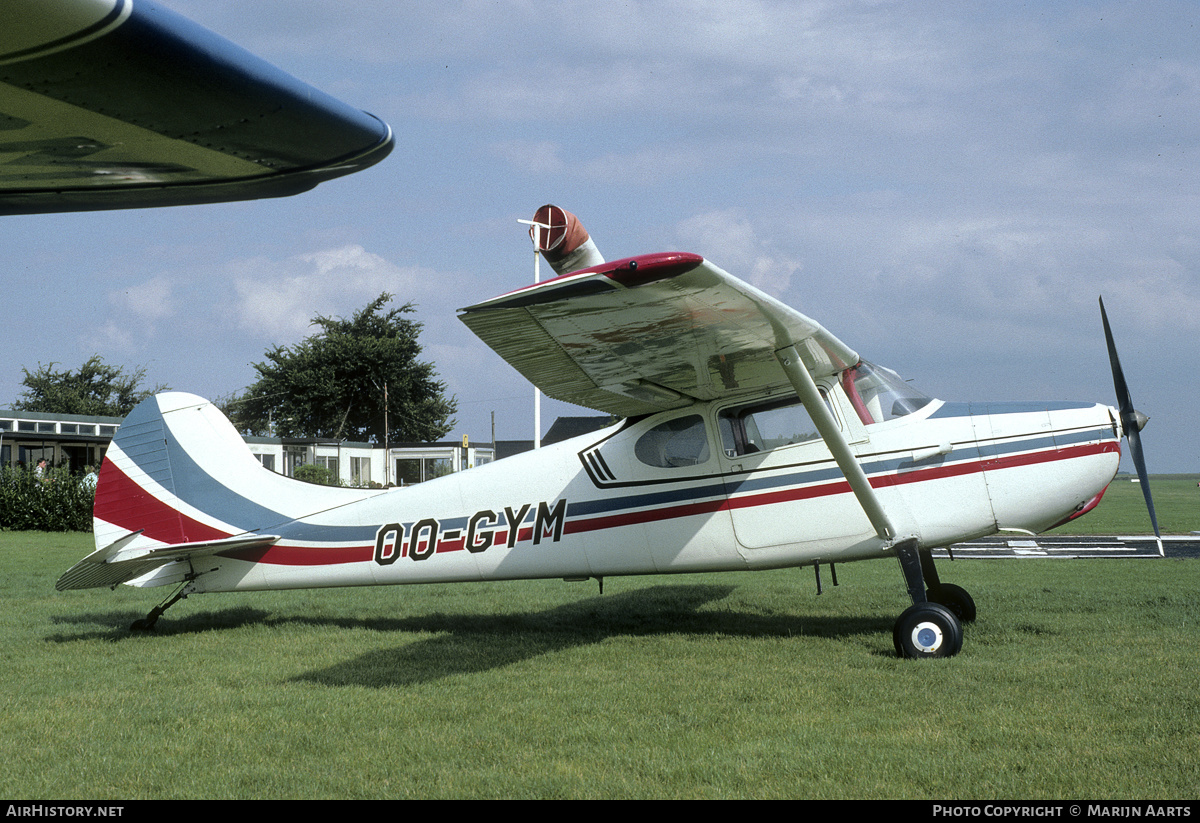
column 927, row 630
column 954, row 598
column 146, row 623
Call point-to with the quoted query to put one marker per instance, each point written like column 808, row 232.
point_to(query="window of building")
column 410, row 470
column 330, row 464
column 293, row 458
column 360, row 471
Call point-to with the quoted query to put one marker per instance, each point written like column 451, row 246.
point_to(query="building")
column 365, row 464
column 78, row 441
column 70, row 440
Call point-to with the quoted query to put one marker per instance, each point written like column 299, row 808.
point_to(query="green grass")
column 1123, row 509
column 1078, row 681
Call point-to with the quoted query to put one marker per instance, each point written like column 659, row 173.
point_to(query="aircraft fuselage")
column 674, row 492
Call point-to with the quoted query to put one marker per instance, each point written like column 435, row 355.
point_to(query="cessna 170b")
column 750, row 438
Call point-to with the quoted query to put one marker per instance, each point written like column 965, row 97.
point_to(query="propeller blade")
column 1131, row 424
column 1135, row 450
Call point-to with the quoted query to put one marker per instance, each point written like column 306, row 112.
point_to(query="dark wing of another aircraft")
column 112, row 104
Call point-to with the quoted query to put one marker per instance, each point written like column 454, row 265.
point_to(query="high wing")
column 109, row 104
column 650, row 333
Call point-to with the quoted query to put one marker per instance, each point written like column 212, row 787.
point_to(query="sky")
column 948, row 187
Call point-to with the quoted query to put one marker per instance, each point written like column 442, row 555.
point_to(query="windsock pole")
column 535, row 234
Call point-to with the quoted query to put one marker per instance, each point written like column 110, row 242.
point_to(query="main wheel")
column 927, row 630
column 954, row 598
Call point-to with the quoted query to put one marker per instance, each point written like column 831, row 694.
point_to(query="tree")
column 95, row 389
column 332, row 384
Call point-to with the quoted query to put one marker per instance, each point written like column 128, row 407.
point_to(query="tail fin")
column 178, row 475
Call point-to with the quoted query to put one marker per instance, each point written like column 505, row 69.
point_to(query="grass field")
column 1077, row 682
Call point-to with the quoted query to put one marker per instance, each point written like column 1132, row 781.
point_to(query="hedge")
column 57, row 502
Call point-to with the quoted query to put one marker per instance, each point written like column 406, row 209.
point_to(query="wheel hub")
column 927, row 637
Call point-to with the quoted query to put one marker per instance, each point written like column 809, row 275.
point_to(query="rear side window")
column 675, row 443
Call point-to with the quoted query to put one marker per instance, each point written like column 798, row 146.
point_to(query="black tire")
column 954, row 598
column 927, row 630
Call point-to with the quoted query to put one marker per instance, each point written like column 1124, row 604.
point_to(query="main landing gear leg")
column 147, row 623
column 928, row 628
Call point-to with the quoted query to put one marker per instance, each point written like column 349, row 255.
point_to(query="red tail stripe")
column 122, row 502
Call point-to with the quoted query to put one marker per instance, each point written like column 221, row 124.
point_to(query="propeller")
column 1132, row 422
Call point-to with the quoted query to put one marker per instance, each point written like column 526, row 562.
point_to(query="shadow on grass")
column 115, row 625
column 466, row 643
column 472, row 643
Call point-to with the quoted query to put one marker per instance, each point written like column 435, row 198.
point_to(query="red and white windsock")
column 563, row 241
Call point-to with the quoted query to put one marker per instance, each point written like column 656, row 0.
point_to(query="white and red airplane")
column 750, row 438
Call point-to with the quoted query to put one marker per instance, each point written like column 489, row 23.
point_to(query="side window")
column 679, row 442
column 762, row 428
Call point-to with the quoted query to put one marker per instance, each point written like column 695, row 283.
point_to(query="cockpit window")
column 679, row 442
column 879, row 394
column 765, row 427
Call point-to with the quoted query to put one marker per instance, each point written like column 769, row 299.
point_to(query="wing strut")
column 806, row 389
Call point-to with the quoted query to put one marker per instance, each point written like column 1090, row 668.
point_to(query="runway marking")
column 1068, row 547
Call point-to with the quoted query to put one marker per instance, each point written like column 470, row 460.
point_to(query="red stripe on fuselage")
column 304, row 555
column 316, row 556
column 838, row 487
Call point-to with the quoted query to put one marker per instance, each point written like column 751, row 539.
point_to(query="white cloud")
column 732, row 243
column 135, row 316
column 147, row 302
column 536, row 157
column 276, row 300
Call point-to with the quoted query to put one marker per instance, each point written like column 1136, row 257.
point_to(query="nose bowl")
column 1037, row 490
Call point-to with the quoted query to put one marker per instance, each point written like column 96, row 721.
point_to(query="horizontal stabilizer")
column 115, row 564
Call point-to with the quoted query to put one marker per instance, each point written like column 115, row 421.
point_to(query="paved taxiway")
column 1046, row 546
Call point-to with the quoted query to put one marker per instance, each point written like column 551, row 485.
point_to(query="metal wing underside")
column 651, row 333
column 110, row 104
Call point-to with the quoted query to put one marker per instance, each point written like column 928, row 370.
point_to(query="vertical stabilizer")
column 178, row 472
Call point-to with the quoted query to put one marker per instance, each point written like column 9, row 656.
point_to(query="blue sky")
column 948, row 187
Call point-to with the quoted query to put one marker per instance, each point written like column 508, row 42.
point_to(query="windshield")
column 879, row 394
